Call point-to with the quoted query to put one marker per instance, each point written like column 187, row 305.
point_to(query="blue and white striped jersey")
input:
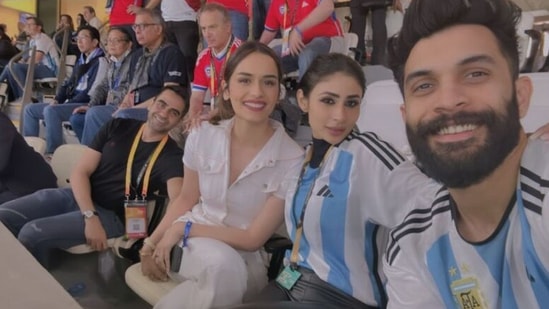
column 429, row 265
column 363, row 183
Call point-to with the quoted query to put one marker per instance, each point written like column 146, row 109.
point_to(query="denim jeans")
column 133, row 113
column 97, row 116
column 51, row 218
column 20, row 70
column 77, row 124
column 318, row 46
column 53, row 116
column 239, row 22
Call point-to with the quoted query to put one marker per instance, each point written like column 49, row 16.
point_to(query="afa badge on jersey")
column 467, row 293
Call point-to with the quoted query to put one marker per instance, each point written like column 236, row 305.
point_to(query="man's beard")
column 450, row 164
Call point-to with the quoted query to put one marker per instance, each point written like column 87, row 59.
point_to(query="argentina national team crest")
column 467, row 293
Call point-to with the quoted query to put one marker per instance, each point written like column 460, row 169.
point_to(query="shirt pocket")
column 211, row 177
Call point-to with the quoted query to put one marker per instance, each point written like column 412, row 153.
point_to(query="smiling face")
column 253, row 88
column 462, row 107
column 333, row 106
column 165, row 112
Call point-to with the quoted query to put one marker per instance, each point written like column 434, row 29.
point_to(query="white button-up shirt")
column 207, row 151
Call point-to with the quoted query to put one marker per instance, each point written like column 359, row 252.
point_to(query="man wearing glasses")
column 157, row 64
column 46, row 58
column 89, row 70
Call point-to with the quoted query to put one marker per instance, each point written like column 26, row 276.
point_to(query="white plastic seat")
column 380, row 113
column 70, row 61
column 37, row 143
column 538, row 111
column 63, row 161
column 147, row 289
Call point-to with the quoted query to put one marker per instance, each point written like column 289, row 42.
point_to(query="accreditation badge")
column 285, row 42
column 467, row 293
column 288, row 278
column 136, row 218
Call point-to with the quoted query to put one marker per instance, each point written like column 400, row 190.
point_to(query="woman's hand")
column 162, row 252
column 149, row 268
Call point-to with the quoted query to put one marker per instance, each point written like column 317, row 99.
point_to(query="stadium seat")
column 63, row 161
column 380, row 113
column 539, row 103
column 37, row 143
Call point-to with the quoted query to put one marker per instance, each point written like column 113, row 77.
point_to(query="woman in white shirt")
column 237, row 169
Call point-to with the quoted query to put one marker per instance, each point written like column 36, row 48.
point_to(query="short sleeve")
column 103, row 135
column 201, row 81
column 189, row 155
column 173, row 66
column 272, row 22
column 172, row 166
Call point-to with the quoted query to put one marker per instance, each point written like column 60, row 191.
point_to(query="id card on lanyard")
column 290, row 275
column 135, row 210
column 287, row 28
column 217, row 79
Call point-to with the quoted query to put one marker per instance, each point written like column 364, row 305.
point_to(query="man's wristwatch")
column 89, row 213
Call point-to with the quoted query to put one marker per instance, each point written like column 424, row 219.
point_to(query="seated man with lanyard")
column 127, row 161
column 215, row 24
column 157, row 64
column 89, row 71
column 111, row 90
column 307, row 31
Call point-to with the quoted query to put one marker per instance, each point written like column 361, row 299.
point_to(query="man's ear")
column 302, row 101
column 403, row 112
column 524, row 88
column 225, row 90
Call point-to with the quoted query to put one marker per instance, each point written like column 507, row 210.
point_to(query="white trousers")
column 213, row 274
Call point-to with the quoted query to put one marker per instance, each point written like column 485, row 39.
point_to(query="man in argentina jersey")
column 481, row 241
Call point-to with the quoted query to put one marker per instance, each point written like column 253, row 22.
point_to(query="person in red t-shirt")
column 307, row 27
column 121, row 15
column 215, row 24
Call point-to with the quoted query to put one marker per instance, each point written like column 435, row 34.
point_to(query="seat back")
column 37, row 143
column 539, row 102
column 345, row 45
column 3, row 96
column 63, row 161
column 380, row 113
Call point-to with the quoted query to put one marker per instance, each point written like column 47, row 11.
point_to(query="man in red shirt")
column 238, row 14
column 307, row 27
column 215, row 24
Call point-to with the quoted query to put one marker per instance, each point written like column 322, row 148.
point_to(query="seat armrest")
column 277, row 243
